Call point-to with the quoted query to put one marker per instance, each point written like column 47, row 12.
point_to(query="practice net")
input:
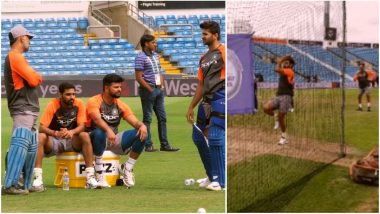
column 262, row 175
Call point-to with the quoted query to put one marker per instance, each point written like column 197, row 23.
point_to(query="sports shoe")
column 128, row 177
column 200, row 180
column 168, row 148
column 150, row 149
column 359, row 109
column 37, row 185
column 283, row 140
column 92, row 183
column 102, row 182
column 204, row 183
column 214, row 186
column 369, row 109
column 14, row 191
column 40, row 188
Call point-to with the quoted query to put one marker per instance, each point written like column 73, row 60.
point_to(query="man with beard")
column 104, row 112
column 62, row 129
column 21, row 85
column 211, row 112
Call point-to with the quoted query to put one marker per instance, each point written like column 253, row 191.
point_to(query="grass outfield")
column 328, row 190
column 159, row 176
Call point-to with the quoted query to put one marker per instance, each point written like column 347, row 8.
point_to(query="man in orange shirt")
column 363, row 77
column 62, row 129
column 211, row 112
column 104, row 113
column 21, row 85
column 283, row 102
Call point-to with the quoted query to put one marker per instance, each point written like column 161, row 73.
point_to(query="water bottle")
column 66, row 180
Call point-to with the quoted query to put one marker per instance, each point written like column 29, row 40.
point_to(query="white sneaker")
column 128, row 178
column 200, row 180
column 102, row 182
column 37, row 186
column 283, row 140
column 92, row 183
column 214, row 186
column 204, row 183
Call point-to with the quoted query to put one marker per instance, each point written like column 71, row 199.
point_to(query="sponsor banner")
column 306, row 85
column 375, row 45
column 240, row 90
column 305, row 42
column 157, row 5
column 354, row 45
column 88, row 88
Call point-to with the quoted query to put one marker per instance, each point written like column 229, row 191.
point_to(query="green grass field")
column 328, row 189
column 159, row 176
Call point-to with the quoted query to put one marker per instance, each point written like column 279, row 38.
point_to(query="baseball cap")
column 18, row 31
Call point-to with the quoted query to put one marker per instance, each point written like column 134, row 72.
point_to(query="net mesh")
column 262, row 175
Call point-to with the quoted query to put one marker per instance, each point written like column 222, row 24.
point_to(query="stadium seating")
column 312, row 60
column 58, row 49
column 185, row 48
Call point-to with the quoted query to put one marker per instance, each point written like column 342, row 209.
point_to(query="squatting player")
column 104, row 112
column 364, row 77
column 21, row 84
column 211, row 112
column 62, row 129
column 283, row 102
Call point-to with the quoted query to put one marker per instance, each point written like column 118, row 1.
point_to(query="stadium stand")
column 59, row 43
column 325, row 62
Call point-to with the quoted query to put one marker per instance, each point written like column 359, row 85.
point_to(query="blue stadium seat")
column 118, row 47
column 113, row 42
column 61, row 20
column 50, row 20
column 16, row 22
column 78, row 42
column 123, row 41
column 120, row 58
column 61, row 48
column 29, row 26
column 92, row 42
column 171, row 22
column 37, row 32
column 98, row 60
column 96, row 47
column 52, row 25
column 70, row 31
column 83, row 23
column 5, row 21
column 181, row 17
column 107, row 47
column 38, row 20
column 178, row 46
column 103, row 42
column 73, row 24
column 99, row 52
column 129, row 46
column 74, row 61
column 63, row 25
column 40, row 25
